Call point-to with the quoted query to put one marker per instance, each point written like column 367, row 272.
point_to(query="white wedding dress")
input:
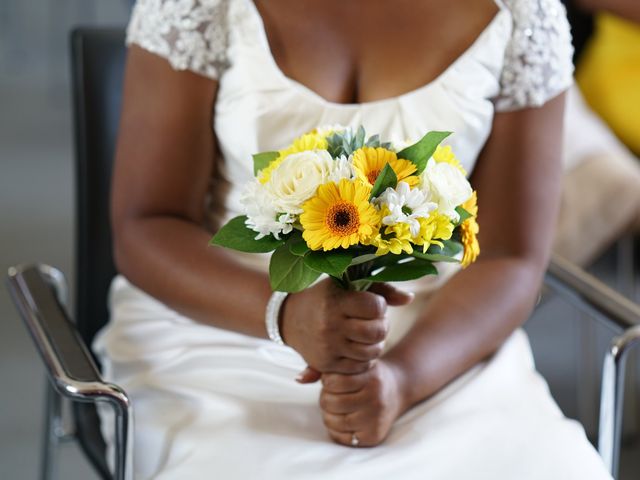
column 211, row 403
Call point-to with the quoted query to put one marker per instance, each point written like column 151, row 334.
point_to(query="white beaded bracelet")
column 272, row 316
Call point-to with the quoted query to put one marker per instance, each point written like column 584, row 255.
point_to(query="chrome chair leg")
column 54, row 431
column 49, row 463
column 612, row 397
column 588, row 387
column 123, row 468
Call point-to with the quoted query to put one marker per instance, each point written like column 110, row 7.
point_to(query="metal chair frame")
column 40, row 295
column 601, row 302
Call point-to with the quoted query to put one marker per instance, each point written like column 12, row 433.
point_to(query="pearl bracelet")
column 272, row 316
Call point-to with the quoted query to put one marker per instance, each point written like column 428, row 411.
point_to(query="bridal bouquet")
column 357, row 209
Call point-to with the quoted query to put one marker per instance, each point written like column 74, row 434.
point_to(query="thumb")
column 394, row 296
column 308, row 375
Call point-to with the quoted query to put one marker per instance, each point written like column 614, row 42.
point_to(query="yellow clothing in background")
column 609, row 76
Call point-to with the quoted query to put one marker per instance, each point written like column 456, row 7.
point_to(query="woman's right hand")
column 336, row 330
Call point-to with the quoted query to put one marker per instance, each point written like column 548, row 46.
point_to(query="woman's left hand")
column 366, row 404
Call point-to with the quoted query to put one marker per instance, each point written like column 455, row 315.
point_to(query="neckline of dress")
column 309, row 92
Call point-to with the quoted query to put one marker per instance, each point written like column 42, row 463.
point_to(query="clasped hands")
column 341, row 336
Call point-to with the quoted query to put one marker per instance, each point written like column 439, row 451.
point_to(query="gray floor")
column 36, row 225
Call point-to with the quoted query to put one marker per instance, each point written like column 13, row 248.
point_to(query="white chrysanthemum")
column 445, row 185
column 342, row 168
column 297, row 178
column 262, row 217
column 405, row 206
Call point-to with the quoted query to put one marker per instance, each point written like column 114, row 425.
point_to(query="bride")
column 434, row 376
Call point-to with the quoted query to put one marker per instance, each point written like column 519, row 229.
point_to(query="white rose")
column 297, row 178
column 445, row 185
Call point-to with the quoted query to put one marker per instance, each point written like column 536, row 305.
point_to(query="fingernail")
column 299, row 378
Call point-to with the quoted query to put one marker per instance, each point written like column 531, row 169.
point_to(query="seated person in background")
column 609, row 71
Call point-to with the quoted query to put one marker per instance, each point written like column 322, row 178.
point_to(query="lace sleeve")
column 538, row 59
column 190, row 34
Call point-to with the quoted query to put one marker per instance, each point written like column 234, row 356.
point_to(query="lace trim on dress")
column 538, row 59
column 190, row 34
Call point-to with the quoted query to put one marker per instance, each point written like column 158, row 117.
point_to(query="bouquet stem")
column 354, row 278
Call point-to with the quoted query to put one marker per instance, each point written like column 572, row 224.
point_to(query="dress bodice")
column 521, row 59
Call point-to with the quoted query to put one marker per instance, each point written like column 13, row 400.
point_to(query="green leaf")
column 334, row 145
column 333, row 262
column 386, row 179
column 419, row 153
column 389, row 259
column 359, row 140
column 346, row 145
column 237, row 236
column 403, row 272
column 363, row 259
column 450, row 249
column 288, row 272
column 433, row 257
column 299, row 248
column 374, row 141
column 262, row 160
column 297, row 245
column 464, row 215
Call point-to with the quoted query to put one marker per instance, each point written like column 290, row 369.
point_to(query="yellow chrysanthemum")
column 339, row 215
column 395, row 239
column 433, row 229
column 368, row 162
column 308, row 141
column 446, row 155
column 469, row 232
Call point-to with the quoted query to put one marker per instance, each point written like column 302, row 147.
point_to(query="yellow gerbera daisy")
column 395, row 239
column 368, row 162
column 432, row 229
column 468, row 232
column 308, row 141
column 339, row 215
column 446, row 155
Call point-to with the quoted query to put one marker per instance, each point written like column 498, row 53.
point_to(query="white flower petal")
column 297, row 178
column 445, row 185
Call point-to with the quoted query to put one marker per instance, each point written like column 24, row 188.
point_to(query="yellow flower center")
column 372, row 176
column 343, row 219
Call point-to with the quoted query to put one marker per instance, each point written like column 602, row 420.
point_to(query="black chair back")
column 582, row 27
column 98, row 57
column 97, row 67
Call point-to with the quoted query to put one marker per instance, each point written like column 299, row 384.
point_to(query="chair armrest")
column 69, row 365
column 591, row 295
column 588, row 293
